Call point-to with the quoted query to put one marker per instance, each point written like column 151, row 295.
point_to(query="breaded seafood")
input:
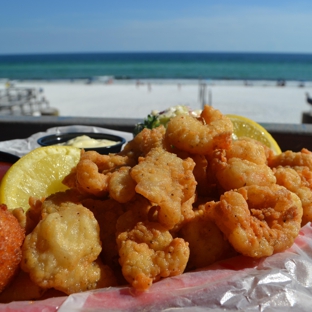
column 234, row 172
column 200, row 136
column 62, row 251
column 11, row 239
column 206, row 241
column 259, row 220
column 148, row 253
column 290, row 158
column 295, row 182
column 167, row 181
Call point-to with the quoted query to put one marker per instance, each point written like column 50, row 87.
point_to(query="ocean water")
column 224, row 66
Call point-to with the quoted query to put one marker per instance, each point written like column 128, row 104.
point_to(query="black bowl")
column 55, row 139
column 9, row 158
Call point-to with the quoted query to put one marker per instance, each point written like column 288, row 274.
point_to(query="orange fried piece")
column 295, row 182
column 206, row 241
column 149, row 253
column 11, row 239
column 200, row 136
column 259, row 220
column 232, row 173
column 290, row 158
column 121, row 185
column 143, row 142
column 167, row 181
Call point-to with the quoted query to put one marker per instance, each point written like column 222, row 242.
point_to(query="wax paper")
column 282, row 282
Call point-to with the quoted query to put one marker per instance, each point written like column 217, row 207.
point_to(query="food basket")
column 282, row 282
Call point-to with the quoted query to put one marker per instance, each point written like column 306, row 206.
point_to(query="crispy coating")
column 148, row 253
column 167, row 181
column 62, row 250
column 92, row 173
column 290, row 158
column 200, row 136
column 259, row 220
column 11, row 239
column 121, row 185
column 206, row 241
column 139, row 209
column 247, row 149
column 293, row 181
column 233, row 173
column 143, row 142
column 22, row 288
column 106, row 213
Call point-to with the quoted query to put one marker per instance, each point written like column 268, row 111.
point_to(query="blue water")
column 232, row 66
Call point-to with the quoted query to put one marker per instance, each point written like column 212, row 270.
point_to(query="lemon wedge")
column 246, row 127
column 38, row 174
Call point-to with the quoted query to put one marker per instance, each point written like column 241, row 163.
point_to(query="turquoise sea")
column 225, row 66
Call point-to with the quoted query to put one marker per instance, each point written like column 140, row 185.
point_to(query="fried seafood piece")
column 305, row 174
column 200, row 136
column 138, row 210
column 206, row 241
column 148, row 253
column 290, row 158
column 121, row 185
column 234, row 172
column 92, row 173
column 22, row 288
column 259, row 220
column 62, row 251
column 106, row 212
column 291, row 179
column 269, row 153
column 168, row 182
column 143, row 142
column 11, row 239
column 247, row 149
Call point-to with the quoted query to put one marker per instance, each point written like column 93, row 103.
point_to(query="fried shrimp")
column 167, row 181
column 200, row 136
column 234, row 172
column 247, row 149
column 143, row 142
column 121, row 185
column 92, row 173
column 11, row 239
column 62, row 251
column 148, row 253
column 207, row 243
column 259, row 220
column 293, row 181
column 290, row 158
column 90, row 180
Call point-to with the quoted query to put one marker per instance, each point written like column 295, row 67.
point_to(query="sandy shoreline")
column 261, row 101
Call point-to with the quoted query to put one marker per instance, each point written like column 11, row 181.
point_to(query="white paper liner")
column 282, row 282
column 20, row 147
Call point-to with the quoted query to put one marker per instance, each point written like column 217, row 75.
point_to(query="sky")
column 58, row 26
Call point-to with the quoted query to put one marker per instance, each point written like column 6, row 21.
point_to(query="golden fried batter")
column 62, row 250
column 121, row 185
column 207, row 243
column 167, row 181
column 259, row 220
column 200, row 136
column 148, row 253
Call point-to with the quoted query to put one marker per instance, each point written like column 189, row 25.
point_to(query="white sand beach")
column 261, row 101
